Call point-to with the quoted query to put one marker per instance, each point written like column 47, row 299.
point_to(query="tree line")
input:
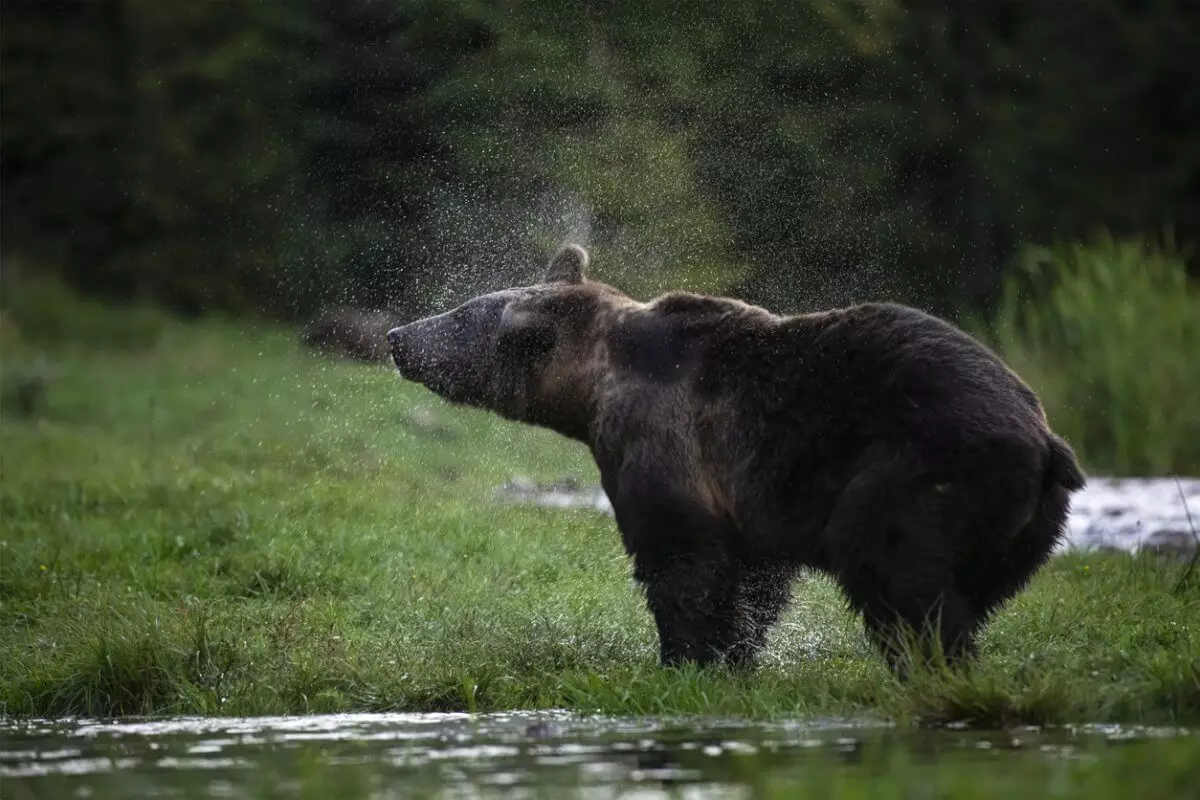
column 274, row 157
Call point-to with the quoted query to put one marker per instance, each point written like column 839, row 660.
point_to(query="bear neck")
column 569, row 397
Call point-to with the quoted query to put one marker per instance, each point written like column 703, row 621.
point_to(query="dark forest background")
column 274, row 157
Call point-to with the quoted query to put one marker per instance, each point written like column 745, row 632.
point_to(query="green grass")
column 1107, row 331
column 220, row 522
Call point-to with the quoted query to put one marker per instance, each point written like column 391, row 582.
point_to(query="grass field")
column 220, row 522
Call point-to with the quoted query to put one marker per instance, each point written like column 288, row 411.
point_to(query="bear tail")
column 1046, row 526
column 1033, row 543
column 1062, row 470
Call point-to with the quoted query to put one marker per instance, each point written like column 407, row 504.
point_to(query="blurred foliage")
column 276, row 156
column 1107, row 331
column 41, row 314
column 144, row 147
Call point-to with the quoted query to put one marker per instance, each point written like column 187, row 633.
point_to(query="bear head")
column 524, row 352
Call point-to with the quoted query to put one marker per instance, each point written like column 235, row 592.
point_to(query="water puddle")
column 1129, row 514
column 514, row 754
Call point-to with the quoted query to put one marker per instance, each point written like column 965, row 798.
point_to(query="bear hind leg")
column 887, row 544
column 1013, row 547
column 912, row 622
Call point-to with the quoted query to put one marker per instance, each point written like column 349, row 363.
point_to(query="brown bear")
column 876, row 443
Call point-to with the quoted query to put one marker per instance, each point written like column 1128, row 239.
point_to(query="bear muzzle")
column 421, row 354
column 404, row 354
column 448, row 353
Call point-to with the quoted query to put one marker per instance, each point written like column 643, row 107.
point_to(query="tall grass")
column 1108, row 332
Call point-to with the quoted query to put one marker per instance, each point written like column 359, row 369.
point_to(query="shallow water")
column 516, row 754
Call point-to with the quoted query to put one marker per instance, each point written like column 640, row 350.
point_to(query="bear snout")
column 401, row 343
column 419, row 353
column 405, row 342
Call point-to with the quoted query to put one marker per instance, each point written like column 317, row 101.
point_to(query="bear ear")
column 568, row 265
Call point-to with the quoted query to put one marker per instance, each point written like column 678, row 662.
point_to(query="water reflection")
column 517, row 754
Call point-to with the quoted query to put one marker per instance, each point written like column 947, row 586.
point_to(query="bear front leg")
column 680, row 551
column 762, row 595
column 691, row 598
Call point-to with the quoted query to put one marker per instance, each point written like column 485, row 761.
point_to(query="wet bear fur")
column 876, row 443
